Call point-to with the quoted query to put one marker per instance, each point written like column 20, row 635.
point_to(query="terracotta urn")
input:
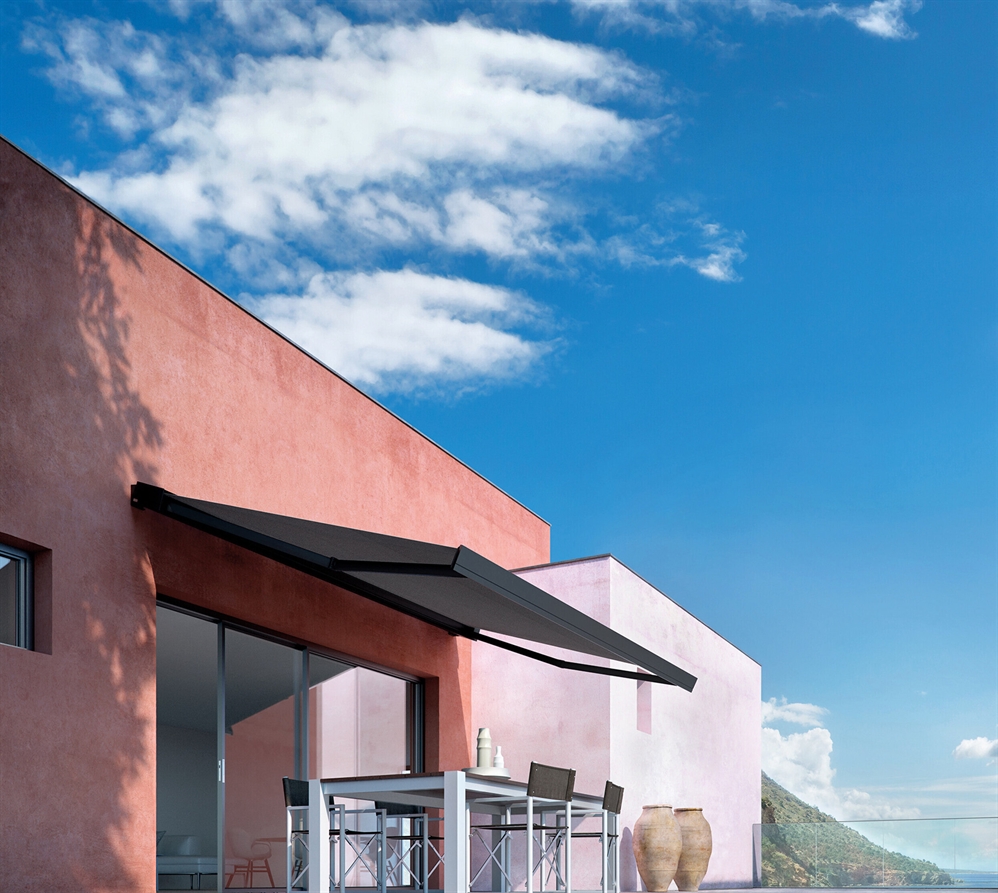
column 657, row 844
column 697, row 845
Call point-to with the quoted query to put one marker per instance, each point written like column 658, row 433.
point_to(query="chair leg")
column 568, row 847
column 543, row 847
column 530, row 845
column 248, row 872
column 604, row 858
column 244, row 871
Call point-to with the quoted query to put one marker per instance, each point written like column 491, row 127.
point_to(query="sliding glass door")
column 187, row 758
column 263, row 716
column 236, row 712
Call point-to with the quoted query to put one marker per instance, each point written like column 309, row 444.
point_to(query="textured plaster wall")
column 554, row 716
column 703, row 748
column 117, row 365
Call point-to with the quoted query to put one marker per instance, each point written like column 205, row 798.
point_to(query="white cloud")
column 797, row 713
column 296, row 144
column 504, row 223
column 512, row 224
column 406, row 329
column 802, row 763
column 723, row 252
column 273, row 25
column 686, row 18
column 126, row 73
column 289, row 141
column 884, row 18
column 966, row 795
column 976, row 749
column 710, row 249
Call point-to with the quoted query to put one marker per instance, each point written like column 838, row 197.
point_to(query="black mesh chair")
column 296, row 804
column 613, row 797
column 547, row 822
column 412, row 851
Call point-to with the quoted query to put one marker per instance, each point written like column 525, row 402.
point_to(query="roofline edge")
column 265, row 324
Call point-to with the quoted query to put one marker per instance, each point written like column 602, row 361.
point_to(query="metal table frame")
column 457, row 793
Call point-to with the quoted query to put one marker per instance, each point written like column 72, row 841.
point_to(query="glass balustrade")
column 959, row 852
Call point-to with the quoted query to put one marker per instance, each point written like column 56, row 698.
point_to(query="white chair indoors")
column 252, row 857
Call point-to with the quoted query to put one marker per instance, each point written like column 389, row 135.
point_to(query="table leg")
column 507, row 854
column 605, row 853
column 530, row 845
column 318, row 839
column 455, row 834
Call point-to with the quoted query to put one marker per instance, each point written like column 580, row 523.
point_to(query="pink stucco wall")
column 116, row 365
column 703, row 748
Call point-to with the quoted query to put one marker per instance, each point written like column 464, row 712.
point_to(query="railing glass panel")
column 959, row 852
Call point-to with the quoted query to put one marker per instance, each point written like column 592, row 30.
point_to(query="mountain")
column 805, row 847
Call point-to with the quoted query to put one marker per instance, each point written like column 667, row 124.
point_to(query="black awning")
column 455, row 589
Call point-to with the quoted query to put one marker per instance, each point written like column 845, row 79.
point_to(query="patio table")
column 457, row 793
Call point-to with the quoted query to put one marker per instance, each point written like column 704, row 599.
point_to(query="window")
column 15, row 597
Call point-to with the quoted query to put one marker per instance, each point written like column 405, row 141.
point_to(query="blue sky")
column 709, row 284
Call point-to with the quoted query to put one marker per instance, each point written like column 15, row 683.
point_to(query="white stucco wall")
column 703, row 747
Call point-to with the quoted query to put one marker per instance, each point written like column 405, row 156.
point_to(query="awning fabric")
column 455, row 589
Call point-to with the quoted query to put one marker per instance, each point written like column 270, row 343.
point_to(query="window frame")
column 24, row 598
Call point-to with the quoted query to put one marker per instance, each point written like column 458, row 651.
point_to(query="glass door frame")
column 415, row 704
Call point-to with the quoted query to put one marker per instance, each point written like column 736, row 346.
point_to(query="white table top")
column 482, row 793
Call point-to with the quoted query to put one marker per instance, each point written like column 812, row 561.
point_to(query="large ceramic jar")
column 657, row 844
column 697, row 845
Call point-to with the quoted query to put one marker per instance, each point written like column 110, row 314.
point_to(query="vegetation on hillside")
column 805, row 847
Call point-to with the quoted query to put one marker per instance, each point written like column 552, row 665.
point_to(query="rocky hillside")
column 805, row 847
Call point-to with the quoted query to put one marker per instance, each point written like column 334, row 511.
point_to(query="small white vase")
column 484, row 748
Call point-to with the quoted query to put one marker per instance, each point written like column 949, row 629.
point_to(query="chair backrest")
column 295, row 792
column 397, row 808
column 550, row 782
column 613, row 797
column 178, row 845
column 241, row 843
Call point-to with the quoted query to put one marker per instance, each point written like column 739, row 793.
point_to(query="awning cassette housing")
column 455, row 589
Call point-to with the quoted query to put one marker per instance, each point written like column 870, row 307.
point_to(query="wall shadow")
column 130, row 432
column 129, row 435
column 628, row 867
column 76, row 432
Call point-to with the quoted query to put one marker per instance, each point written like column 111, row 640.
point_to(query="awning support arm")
column 568, row 664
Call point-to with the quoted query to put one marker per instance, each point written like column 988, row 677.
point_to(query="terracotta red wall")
column 117, row 365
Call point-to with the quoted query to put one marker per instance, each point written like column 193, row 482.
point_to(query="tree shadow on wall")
column 130, row 431
column 129, row 436
column 79, row 434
